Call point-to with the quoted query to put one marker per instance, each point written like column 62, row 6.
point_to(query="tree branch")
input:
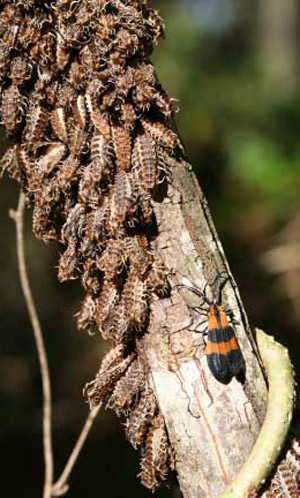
column 212, row 427
column 18, row 217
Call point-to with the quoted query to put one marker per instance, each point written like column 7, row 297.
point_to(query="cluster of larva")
column 91, row 140
column 285, row 483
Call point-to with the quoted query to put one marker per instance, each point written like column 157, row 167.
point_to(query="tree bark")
column 212, row 427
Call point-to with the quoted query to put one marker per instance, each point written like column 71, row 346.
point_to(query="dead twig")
column 18, row 217
column 61, row 486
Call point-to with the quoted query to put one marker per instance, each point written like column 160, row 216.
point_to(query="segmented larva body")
column 8, row 161
column 23, row 160
column 50, row 160
column 85, row 317
column 96, row 227
column 98, row 119
column 89, row 192
column 37, row 121
column 116, row 325
column 122, row 146
column 139, row 419
column 68, row 263
column 80, row 112
column 154, row 465
column 287, row 480
column 42, row 218
column 20, row 70
column 293, row 457
column 122, row 199
column 74, row 225
column 135, row 299
column 100, row 156
column 68, row 172
column 144, row 162
column 63, row 54
column 64, row 94
column 139, row 255
column 105, row 303
column 78, row 139
column 162, row 134
column 156, row 25
column 128, row 116
column 157, row 281
column 90, row 276
column 101, row 388
column 59, row 124
column 140, row 213
column 12, row 107
column 113, row 259
column 76, row 75
column 127, row 388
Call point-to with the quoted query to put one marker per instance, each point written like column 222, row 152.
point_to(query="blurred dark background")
column 234, row 66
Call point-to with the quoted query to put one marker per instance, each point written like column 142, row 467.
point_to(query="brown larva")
column 80, row 112
column 55, row 153
column 113, row 367
column 59, row 123
column 74, row 225
column 105, row 303
column 135, row 299
column 128, row 116
column 66, row 95
column 76, row 75
column 139, row 255
column 144, row 162
column 106, row 28
column 37, row 120
column 90, row 276
column 162, row 134
column 98, row 119
column 127, row 388
column 123, row 197
column 121, row 139
column 78, row 139
column 43, row 51
column 113, row 259
column 143, row 96
column 8, row 162
column 63, row 53
column 101, row 157
column 89, row 192
column 68, row 173
column 85, row 317
column 157, row 280
column 68, row 264
column 126, row 41
column 154, row 465
column 12, row 107
column 96, row 227
column 156, row 24
column 20, row 70
column 167, row 106
column 116, row 325
column 140, row 418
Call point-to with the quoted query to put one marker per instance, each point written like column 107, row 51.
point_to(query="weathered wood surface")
column 212, row 426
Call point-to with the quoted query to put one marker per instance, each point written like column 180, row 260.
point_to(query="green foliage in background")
column 239, row 134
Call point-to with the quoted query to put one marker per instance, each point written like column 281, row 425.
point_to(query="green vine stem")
column 271, row 439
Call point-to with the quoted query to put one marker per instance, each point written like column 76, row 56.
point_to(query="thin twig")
column 61, row 486
column 18, row 217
